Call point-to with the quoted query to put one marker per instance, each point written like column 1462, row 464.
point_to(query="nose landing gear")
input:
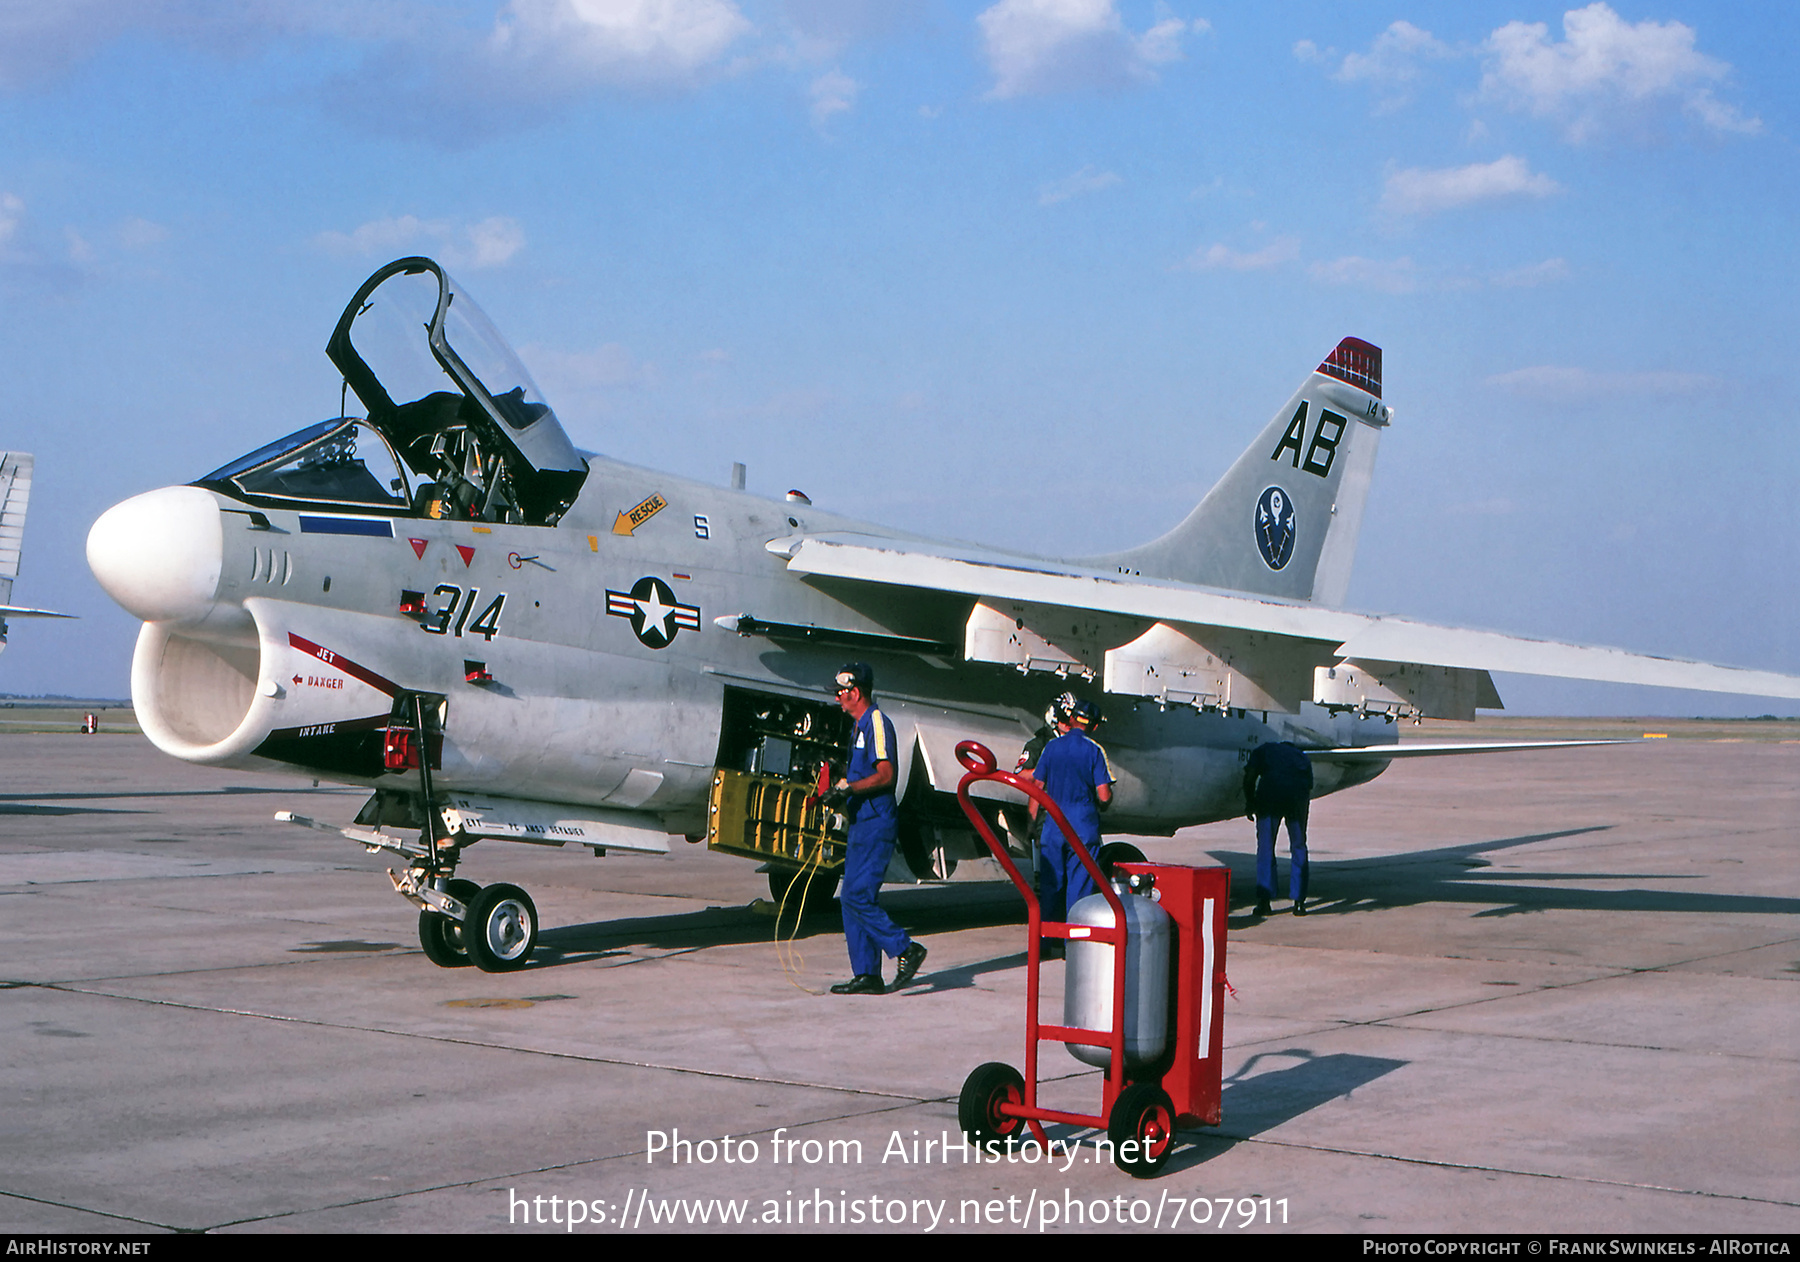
column 500, row 929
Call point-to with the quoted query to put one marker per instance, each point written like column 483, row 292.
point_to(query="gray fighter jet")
column 505, row 638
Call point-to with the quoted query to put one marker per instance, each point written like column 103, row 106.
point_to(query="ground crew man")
column 1278, row 786
column 1056, row 716
column 1074, row 772
column 867, row 793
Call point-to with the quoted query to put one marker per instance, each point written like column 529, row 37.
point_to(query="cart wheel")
column 1144, row 1116
column 978, row 1113
column 1117, row 852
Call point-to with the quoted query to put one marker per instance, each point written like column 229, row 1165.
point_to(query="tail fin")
column 1283, row 520
column 15, row 493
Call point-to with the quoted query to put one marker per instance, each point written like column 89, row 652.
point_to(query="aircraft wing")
column 1176, row 642
column 973, row 572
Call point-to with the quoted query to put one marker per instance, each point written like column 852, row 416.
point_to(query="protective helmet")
column 1084, row 715
column 1059, row 710
column 855, row 675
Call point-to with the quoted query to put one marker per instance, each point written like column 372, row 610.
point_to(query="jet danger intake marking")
column 353, row 669
column 1275, row 527
column 656, row 616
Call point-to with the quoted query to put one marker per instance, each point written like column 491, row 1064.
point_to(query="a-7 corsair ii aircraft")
column 506, row 638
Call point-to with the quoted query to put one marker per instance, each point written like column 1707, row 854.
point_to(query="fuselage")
column 581, row 662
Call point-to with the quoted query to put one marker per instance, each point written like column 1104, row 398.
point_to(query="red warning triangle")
column 418, row 547
column 468, row 554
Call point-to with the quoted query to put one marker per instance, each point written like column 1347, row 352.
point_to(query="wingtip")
column 1356, row 362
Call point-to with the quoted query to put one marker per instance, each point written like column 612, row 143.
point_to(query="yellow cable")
column 794, row 960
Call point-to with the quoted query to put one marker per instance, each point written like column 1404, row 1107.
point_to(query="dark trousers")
column 1266, row 825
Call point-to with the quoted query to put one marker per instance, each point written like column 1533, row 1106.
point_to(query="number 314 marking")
column 457, row 605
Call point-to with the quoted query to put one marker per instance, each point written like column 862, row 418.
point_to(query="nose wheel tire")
column 1141, row 1127
column 442, row 937
column 501, row 929
column 978, row 1110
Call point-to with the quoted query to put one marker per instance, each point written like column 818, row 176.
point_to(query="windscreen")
column 334, row 463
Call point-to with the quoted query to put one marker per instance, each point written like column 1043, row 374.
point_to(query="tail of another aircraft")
column 1283, row 520
column 15, row 494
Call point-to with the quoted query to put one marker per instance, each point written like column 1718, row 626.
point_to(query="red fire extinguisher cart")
column 1141, row 1105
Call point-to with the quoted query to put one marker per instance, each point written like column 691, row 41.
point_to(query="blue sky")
column 1029, row 272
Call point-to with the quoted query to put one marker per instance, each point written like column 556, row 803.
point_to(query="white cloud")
column 1388, row 276
column 1390, row 66
column 609, row 366
column 41, row 39
column 488, row 243
column 833, row 92
column 1416, row 191
column 822, row 29
column 12, row 214
column 1547, row 381
column 27, row 257
column 617, row 41
column 1279, row 251
column 1086, row 180
column 138, row 234
column 1606, row 70
column 1393, row 57
column 1040, row 46
column 1532, row 274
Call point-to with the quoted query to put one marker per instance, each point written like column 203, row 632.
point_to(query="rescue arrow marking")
column 418, row 547
column 631, row 520
column 468, row 554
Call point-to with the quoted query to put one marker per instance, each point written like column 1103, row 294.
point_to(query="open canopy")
column 444, row 388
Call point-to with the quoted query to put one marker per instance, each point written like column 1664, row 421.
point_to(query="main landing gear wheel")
column 501, row 929
column 789, row 887
column 978, row 1111
column 1144, row 1115
column 441, row 936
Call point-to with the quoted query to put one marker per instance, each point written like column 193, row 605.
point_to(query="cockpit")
column 456, row 428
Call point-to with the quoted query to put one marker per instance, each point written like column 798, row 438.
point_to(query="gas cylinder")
column 1088, row 977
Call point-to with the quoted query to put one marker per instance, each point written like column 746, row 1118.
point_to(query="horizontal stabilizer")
column 14, row 611
column 1373, row 753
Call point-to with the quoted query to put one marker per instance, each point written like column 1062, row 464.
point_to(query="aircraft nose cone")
column 160, row 554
